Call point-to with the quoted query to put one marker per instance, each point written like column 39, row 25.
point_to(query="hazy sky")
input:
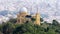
column 48, row 8
column 13, row 4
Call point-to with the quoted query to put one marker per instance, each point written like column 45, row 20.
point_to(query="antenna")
column 37, row 9
column 30, row 9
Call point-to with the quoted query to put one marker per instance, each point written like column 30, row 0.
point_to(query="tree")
column 41, row 19
column 51, row 32
column 33, row 19
column 54, row 22
column 11, row 27
column 7, row 28
column 0, row 28
column 13, row 20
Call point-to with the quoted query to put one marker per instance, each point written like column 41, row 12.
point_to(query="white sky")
column 49, row 7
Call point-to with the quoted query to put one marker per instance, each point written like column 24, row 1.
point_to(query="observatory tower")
column 21, row 16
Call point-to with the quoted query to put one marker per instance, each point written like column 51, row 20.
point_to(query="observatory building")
column 24, row 17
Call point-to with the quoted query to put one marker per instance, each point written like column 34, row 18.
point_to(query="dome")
column 23, row 9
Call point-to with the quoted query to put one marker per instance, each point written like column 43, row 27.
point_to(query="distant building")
column 24, row 17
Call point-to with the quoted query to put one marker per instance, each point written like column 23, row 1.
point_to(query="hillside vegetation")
column 11, row 27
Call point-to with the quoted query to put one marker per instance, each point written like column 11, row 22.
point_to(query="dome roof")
column 23, row 9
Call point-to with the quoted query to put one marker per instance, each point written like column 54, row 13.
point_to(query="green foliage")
column 54, row 22
column 13, row 20
column 29, row 28
column 51, row 32
column 33, row 19
column 41, row 19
